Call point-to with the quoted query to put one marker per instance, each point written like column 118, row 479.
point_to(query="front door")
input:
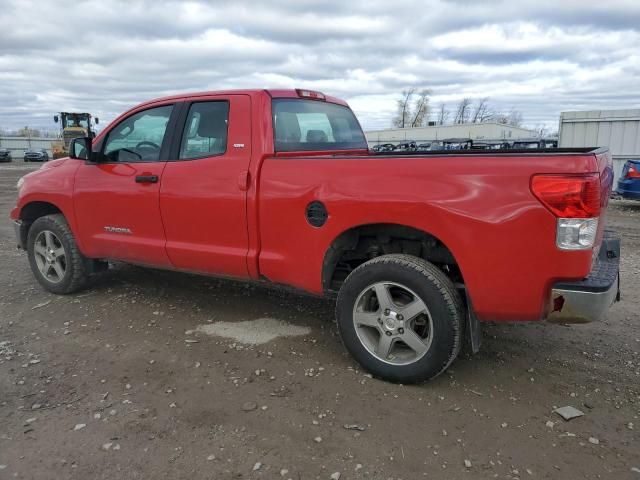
column 203, row 193
column 116, row 199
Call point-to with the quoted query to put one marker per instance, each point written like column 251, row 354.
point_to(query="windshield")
column 315, row 125
column 75, row 120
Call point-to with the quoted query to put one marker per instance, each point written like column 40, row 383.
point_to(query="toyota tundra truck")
column 279, row 186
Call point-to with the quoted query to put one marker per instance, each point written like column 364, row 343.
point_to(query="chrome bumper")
column 588, row 300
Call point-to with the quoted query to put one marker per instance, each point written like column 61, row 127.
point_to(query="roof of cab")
column 273, row 93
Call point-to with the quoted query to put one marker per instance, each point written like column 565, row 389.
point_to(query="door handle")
column 147, row 179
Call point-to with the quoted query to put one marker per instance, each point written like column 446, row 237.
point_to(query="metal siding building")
column 474, row 131
column 617, row 129
column 18, row 145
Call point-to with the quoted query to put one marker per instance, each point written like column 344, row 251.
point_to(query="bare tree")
column 443, row 115
column 463, row 111
column 482, row 112
column 421, row 108
column 403, row 116
column 513, row 118
column 541, row 131
column 28, row 132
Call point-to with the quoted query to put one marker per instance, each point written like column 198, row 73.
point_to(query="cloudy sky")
column 538, row 57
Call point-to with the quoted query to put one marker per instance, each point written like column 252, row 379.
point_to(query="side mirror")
column 97, row 120
column 80, row 148
column 55, row 118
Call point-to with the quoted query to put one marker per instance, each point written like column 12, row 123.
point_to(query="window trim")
column 182, row 121
column 167, row 141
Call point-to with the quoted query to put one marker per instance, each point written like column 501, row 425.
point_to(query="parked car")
column 387, row 147
column 36, row 156
column 629, row 181
column 417, row 248
column 406, row 147
column 457, row 143
column 490, row 145
column 535, row 143
column 5, row 155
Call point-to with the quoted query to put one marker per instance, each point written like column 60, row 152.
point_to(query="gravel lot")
column 130, row 379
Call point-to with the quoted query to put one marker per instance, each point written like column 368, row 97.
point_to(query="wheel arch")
column 33, row 210
column 363, row 242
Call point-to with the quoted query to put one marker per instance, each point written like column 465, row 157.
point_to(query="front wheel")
column 401, row 318
column 54, row 257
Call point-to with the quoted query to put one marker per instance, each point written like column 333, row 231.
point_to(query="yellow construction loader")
column 72, row 125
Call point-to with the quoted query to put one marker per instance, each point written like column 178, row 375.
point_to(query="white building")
column 617, row 129
column 474, row 131
column 18, row 145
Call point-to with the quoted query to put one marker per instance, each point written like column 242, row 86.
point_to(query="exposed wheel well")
column 34, row 210
column 360, row 244
column 31, row 212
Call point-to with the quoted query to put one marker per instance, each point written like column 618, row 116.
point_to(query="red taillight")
column 569, row 196
column 633, row 172
column 310, row 94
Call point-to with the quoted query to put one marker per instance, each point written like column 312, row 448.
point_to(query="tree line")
column 414, row 110
column 29, row 132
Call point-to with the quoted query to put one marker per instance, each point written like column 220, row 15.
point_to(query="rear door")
column 116, row 200
column 204, row 187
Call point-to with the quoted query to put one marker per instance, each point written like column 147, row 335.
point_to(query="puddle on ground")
column 253, row 332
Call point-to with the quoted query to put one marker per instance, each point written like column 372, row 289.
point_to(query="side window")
column 205, row 131
column 138, row 138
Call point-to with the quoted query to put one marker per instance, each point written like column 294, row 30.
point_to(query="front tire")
column 54, row 257
column 401, row 318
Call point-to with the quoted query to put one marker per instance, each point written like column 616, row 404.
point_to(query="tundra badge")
column 122, row 230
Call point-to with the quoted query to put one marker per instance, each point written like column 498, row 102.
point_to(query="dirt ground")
column 129, row 380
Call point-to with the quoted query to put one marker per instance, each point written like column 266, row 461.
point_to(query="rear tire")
column 419, row 333
column 54, row 257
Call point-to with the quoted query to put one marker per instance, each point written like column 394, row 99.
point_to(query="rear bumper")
column 589, row 300
column 629, row 188
column 629, row 195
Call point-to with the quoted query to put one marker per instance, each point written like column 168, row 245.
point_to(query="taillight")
column 310, row 94
column 575, row 200
column 633, row 172
column 568, row 196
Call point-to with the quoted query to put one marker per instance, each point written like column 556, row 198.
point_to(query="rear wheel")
column 401, row 318
column 54, row 257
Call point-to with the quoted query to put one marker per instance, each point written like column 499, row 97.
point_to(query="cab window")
column 315, row 125
column 205, row 131
column 138, row 138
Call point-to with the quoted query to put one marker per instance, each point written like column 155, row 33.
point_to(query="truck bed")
column 500, row 152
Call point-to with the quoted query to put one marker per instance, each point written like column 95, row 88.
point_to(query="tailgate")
column 605, row 169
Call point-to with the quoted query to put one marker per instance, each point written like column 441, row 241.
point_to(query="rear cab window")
column 314, row 125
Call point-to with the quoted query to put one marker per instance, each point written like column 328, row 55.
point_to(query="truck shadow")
column 507, row 349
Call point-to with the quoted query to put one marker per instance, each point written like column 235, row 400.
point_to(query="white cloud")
column 540, row 57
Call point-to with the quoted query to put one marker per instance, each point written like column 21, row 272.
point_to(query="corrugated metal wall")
column 18, row 145
column 617, row 129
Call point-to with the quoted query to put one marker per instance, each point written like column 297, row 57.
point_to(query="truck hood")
column 54, row 163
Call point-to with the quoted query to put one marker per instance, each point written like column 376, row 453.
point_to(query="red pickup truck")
column 279, row 186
